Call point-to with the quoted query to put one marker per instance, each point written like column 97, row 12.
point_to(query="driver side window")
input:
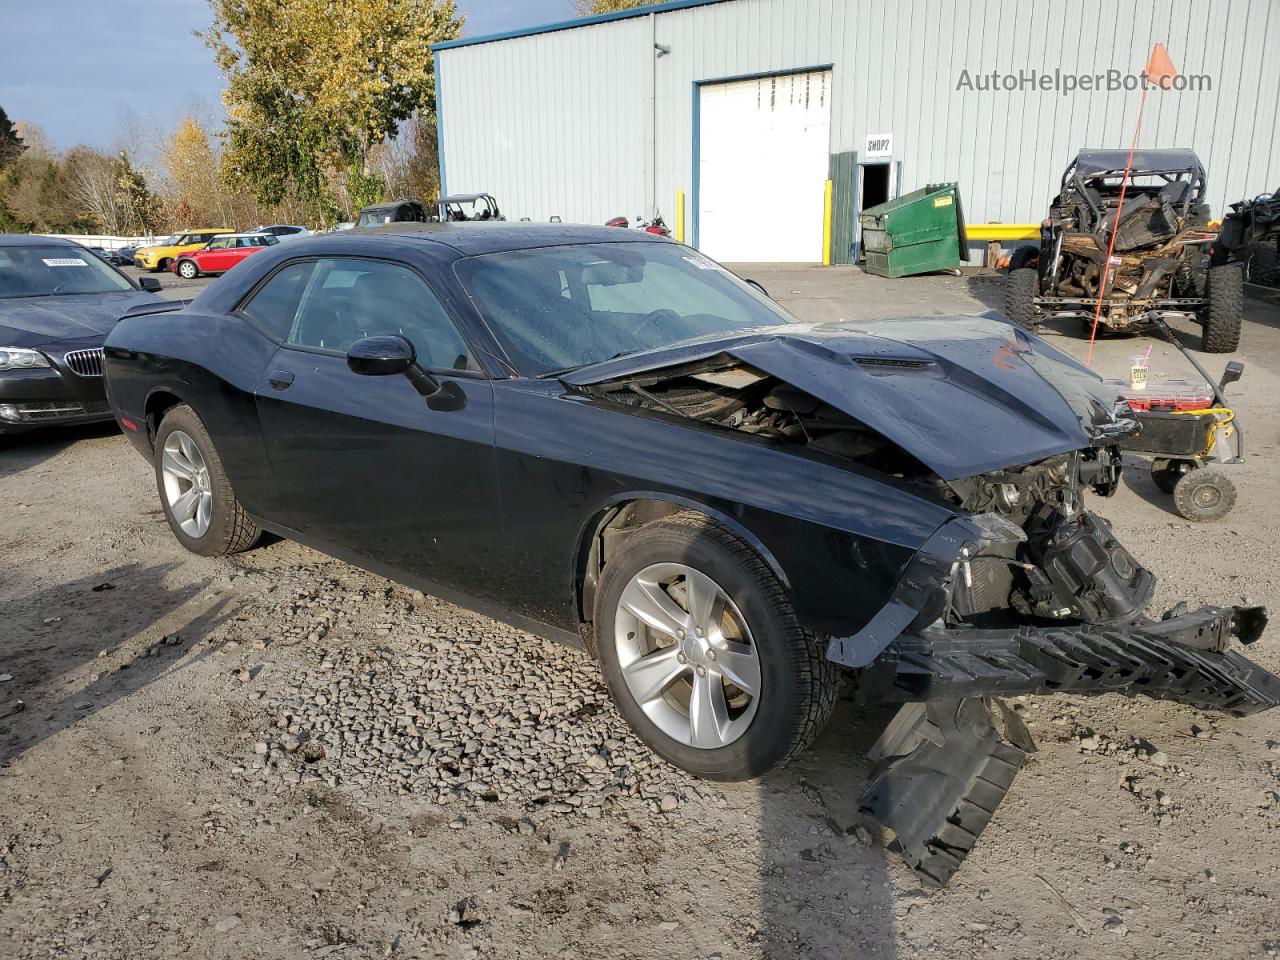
column 348, row 299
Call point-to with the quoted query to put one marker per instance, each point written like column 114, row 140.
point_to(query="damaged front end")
column 1021, row 591
column 1035, row 596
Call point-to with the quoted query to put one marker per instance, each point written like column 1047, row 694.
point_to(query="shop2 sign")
column 879, row 146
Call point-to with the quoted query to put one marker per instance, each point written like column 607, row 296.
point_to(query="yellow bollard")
column 826, row 225
column 679, row 216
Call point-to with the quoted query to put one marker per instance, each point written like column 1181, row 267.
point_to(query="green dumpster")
column 916, row 233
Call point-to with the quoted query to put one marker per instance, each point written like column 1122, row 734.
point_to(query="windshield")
column 373, row 219
column 45, row 271
column 558, row 308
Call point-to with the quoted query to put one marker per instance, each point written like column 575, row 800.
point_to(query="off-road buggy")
column 1250, row 234
column 1159, row 268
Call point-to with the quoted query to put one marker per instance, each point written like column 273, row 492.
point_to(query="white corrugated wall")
column 562, row 123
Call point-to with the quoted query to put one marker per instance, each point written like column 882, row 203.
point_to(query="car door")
column 365, row 463
column 216, row 256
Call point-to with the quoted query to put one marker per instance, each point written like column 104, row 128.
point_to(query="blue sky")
column 73, row 67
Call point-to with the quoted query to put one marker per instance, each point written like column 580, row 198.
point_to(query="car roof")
column 471, row 237
column 28, row 239
column 224, row 236
column 1104, row 161
column 463, row 197
column 178, row 233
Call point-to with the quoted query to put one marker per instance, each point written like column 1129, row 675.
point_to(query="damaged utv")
column 1159, row 266
column 607, row 438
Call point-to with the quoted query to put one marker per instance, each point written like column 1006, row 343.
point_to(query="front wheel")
column 1020, row 295
column 188, row 270
column 702, row 652
column 1224, row 314
column 196, row 495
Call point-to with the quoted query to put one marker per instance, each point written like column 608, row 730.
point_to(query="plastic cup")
column 1138, row 373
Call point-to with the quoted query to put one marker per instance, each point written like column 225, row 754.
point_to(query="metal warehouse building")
column 729, row 116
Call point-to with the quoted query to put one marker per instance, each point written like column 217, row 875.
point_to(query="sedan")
column 57, row 302
column 221, row 254
column 284, row 231
column 606, row 438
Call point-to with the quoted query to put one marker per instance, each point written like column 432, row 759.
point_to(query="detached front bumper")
column 951, row 753
column 1184, row 657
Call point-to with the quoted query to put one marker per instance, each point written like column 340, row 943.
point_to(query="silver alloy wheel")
column 687, row 655
column 187, row 269
column 186, row 484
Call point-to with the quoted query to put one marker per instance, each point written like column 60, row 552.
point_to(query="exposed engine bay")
column 1068, row 566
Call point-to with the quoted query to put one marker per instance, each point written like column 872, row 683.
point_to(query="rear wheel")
column 1206, row 494
column 1020, row 293
column 196, row 495
column 1264, row 264
column 1224, row 314
column 702, row 653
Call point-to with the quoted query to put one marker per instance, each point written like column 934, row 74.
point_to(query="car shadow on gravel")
column 825, row 884
column 20, row 452
column 75, row 648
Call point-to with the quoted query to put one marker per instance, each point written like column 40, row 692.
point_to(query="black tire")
column 161, row 265
column 1264, row 264
column 799, row 686
column 188, row 269
column 1224, row 314
column 230, row 528
column 1019, row 297
column 1202, row 495
column 1022, row 257
column 1166, row 473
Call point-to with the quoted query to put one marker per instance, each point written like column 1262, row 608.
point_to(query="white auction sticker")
column 702, row 263
column 64, row 262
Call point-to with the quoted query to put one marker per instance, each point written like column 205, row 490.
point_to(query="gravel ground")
column 279, row 755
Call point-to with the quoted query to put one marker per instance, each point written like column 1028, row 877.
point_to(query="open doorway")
column 875, row 186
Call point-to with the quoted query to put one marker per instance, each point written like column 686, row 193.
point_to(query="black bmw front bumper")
column 70, row 391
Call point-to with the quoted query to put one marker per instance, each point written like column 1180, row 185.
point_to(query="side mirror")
column 1234, row 371
column 759, row 286
column 383, row 356
column 149, row 284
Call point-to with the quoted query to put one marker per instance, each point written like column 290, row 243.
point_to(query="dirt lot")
column 279, row 755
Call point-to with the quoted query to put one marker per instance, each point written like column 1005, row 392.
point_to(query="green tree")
column 11, row 145
column 589, row 8
column 314, row 85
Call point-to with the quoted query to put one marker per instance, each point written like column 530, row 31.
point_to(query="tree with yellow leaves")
column 314, row 85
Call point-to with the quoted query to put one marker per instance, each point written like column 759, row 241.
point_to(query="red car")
column 221, row 254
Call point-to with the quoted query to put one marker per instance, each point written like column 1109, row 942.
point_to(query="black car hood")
column 963, row 395
column 29, row 321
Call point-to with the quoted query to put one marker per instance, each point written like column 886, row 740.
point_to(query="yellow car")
column 160, row 256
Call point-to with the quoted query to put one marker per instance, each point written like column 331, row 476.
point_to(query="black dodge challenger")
column 57, row 302
column 606, row 437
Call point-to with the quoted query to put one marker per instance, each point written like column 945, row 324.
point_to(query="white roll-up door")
column 763, row 147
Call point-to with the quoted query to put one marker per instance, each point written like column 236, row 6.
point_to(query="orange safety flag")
column 1160, row 69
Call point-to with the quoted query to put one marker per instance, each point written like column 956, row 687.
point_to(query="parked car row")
column 166, row 254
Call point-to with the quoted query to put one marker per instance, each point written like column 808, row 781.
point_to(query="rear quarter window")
column 274, row 306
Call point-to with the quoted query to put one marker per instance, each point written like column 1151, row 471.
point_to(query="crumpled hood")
column 30, row 321
column 964, row 395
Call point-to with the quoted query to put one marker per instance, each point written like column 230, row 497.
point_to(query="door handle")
column 280, row 379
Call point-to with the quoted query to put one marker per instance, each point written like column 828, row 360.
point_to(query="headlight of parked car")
column 20, row 358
